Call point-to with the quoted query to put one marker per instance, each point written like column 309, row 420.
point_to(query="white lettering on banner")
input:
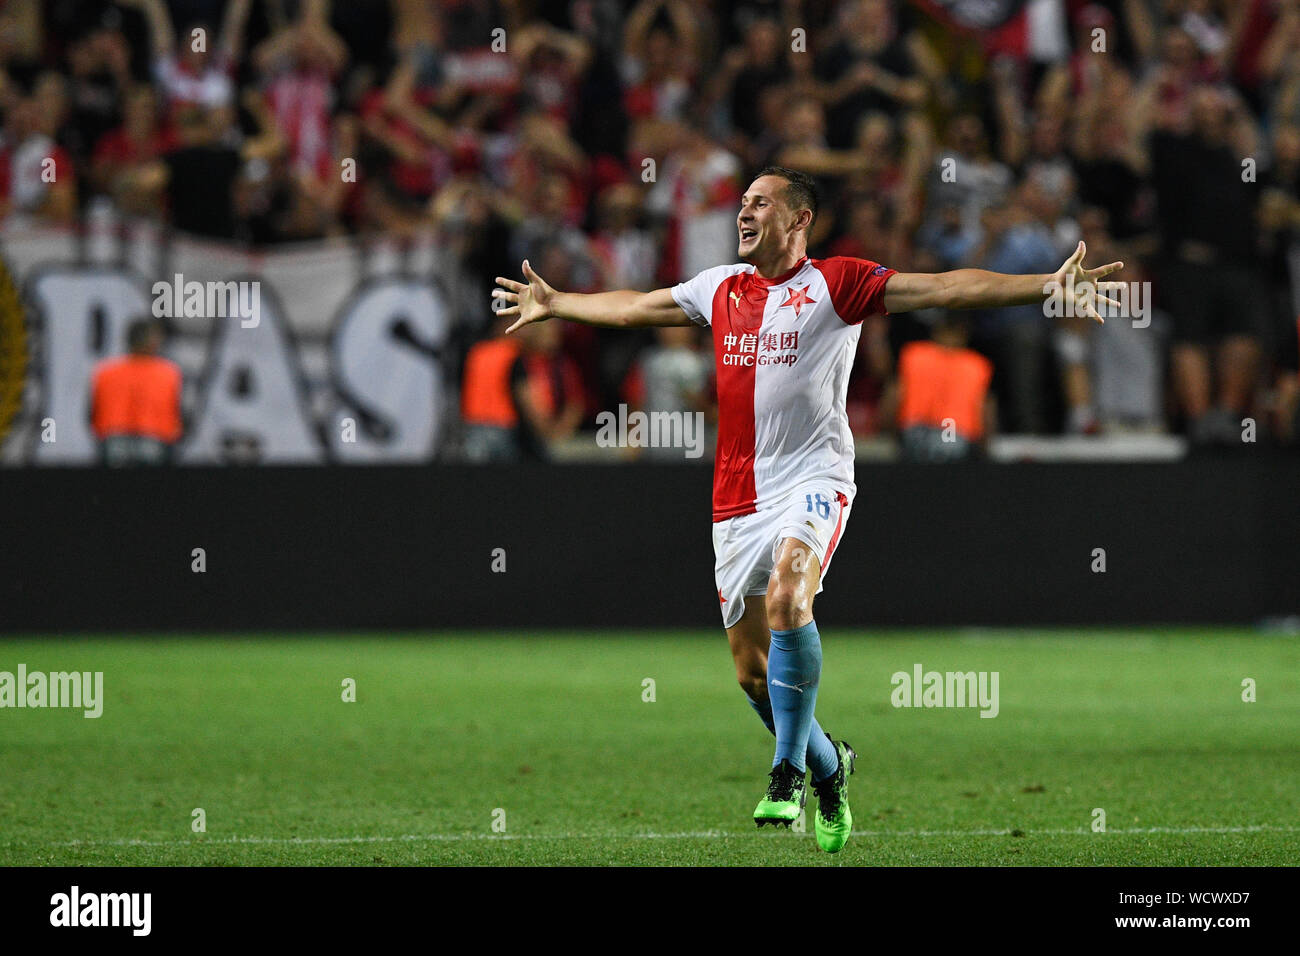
column 251, row 395
column 385, row 360
column 246, row 392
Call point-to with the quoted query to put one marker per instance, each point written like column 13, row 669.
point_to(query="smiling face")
column 768, row 227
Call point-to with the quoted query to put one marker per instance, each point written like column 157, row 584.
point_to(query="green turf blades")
column 833, row 832
column 561, row 733
column 784, row 801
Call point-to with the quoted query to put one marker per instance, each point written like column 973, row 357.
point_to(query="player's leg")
column 749, row 639
column 746, row 550
column 793, row 670
column 794, row 661
column 809, row 540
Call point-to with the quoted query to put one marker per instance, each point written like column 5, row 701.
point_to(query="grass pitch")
column 551, row 736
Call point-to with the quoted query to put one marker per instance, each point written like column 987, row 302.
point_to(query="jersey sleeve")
column 857, row 287
column 695, row 295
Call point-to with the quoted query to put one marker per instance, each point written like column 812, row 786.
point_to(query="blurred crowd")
column 609, row 142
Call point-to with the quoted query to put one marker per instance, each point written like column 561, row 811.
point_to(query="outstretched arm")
column 536, row 301
column 161, row 34
column 978, row 289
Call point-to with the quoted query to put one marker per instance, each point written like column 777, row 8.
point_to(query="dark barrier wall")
column 619, row 546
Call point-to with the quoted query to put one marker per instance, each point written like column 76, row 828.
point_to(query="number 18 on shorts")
column 745, row 547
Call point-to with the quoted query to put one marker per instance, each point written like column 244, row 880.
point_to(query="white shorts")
column 745, row 547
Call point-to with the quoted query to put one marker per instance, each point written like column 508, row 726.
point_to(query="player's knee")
column 788, row 606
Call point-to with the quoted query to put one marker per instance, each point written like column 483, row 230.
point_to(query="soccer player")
column 785, row 330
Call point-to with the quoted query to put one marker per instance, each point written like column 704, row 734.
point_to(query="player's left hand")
column 1084, row 286
column 528, row 302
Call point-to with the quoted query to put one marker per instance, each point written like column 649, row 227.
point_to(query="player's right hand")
column 531, row 302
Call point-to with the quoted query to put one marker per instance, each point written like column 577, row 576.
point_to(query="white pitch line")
column 689, row 835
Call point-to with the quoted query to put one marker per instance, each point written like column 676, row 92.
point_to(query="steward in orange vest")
column 135, row 401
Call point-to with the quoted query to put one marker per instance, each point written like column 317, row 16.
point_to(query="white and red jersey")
column 183, row 88
column 783, row 349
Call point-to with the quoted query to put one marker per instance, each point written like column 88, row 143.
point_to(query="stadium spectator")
column 99, row 78
column 1089, row 65
column 194, row 74
column 1015, row 239
column 747, row 72
column 967, row 176
column 872, row 65
column 37, row 175
column 1288, row 394
column 945, row 408
column 660, row 56
column 552, row 65
column 136, row 401
column 623, row 250
column 469, row 60
column 219, row 190
column 547, row 392
column 671, row 376
column 406, row 148
column 297, row 67
column 1110, row 159
column 1171, row 82
column 1280, row 234
column 867, row 230
column 801, row 144
column 520, row 395
column 894, row 158
column 125, row 159
column 1220, row 330
column 696, row 195
column 474, row 225
column 1117, row 370
column 934, row 150
column 487, row 404
column 550, row 225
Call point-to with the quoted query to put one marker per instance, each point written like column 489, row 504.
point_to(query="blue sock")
column 821, row 756
column 794, row 667
column 764, row 711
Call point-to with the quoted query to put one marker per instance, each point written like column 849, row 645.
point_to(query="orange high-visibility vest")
column 486, row 397
column 137, row 395
column 936, row 382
